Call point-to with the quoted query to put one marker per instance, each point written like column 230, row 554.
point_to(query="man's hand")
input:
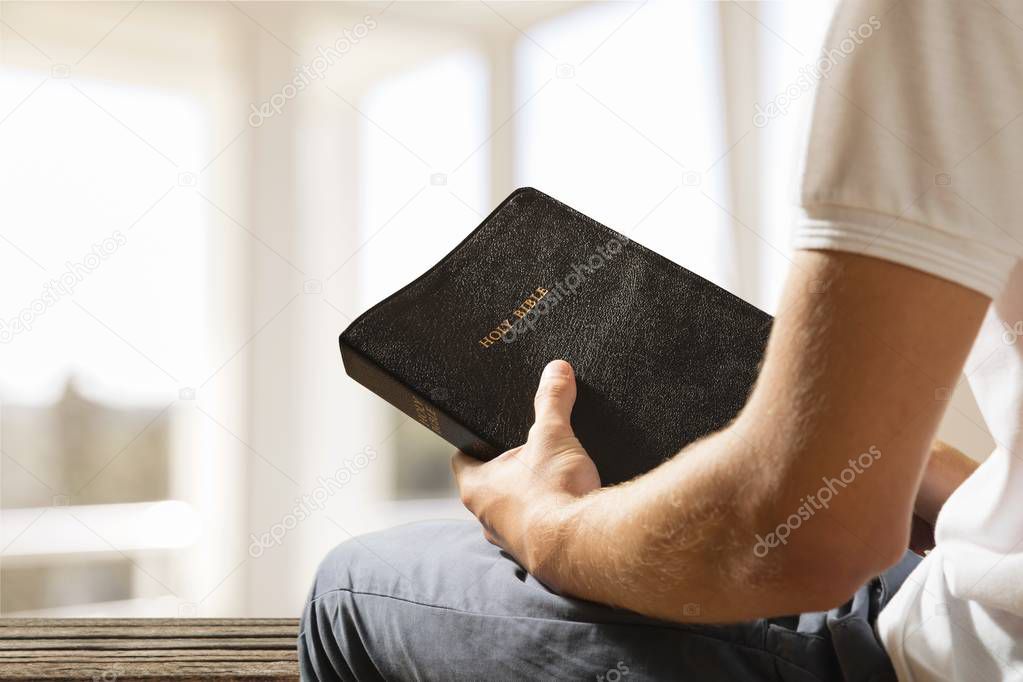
column 947, row 469
column 520, row 496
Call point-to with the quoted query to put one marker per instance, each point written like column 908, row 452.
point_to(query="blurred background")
column 196, row 198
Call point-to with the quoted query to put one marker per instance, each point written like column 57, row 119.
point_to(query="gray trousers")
column 435, row 601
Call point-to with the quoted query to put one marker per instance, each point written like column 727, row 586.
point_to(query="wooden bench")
column 124, row 649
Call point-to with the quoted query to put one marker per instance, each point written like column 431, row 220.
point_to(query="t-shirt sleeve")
column 914, row 147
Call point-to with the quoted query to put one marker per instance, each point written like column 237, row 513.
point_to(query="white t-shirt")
column 915, row 155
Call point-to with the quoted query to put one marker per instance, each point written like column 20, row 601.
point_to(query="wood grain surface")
column 126, row 649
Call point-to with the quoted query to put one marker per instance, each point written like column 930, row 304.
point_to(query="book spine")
column 413, row 403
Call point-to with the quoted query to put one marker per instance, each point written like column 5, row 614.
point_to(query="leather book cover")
column 662, row 356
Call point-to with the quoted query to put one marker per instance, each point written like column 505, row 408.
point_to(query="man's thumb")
column 556, row 395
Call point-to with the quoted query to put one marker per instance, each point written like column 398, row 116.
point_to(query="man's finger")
column 556, row 395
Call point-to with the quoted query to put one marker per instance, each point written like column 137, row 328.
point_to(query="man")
column 913, row 224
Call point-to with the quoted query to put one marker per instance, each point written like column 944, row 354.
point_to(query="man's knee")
column 337, row 619
column 338, row 569
column 326, row 651
column 398, row 562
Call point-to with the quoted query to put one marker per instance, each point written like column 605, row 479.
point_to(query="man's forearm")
column 680, row 543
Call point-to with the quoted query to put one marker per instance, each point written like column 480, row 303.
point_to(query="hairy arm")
column 739, row 525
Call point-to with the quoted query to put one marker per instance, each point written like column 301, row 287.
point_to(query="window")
column 100, row 230
column 105, row 322
column 626, row 124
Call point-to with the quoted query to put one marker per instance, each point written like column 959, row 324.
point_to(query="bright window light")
column 104, row 250
column 424, row 166
column 622, row 118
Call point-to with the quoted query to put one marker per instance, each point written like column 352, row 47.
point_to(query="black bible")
column 662, row 356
